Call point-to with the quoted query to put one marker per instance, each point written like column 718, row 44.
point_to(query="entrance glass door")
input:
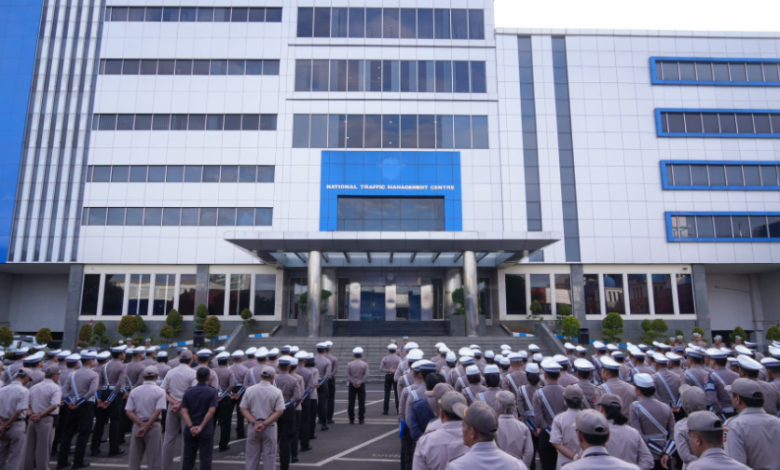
column 408, row 303
column 372, row 303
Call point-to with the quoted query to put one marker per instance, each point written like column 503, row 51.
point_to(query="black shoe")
column 103, row 441
column 294, row 460
column 94, row 453
column 224, row 449
column 330, row 421
column 119, row 452
column 384, row 413
column 324, row 428
column 307, row 449
column 83, row 465
column 122, row 442
column 351, row 421
column 362, row 421
column 241, row 436
column 60, row 467
column 312, row 438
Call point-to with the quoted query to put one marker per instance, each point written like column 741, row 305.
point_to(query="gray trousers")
column 12, row 448
column 261, row 445
column 39, row 440
column 173, row 425
column 149, row 445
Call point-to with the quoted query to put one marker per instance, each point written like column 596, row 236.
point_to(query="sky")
column 685, row 15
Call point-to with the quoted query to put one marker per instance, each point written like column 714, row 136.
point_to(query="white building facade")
column 238, row 154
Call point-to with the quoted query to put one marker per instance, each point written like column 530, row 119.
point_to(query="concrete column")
column 757, row 306
column 578, row 293
column 700, row 297
column 453, row 280
column 330, row 282
column 315, row 294
column 202, row 285
column 471, row 293
column 75, row 280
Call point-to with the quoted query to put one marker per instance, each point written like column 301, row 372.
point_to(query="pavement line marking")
column 357, row 447
column 369, row 403
column 368, row 460
column 178, row 459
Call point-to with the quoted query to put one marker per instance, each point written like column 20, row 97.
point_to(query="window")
column 188, row 67
column 638, row 297
column 530, row 145
column 216, row 297
column 715, row 123
column 390, row 214
column 515, row 295
column 298, row 286
column 138, row 294
column 114, row 294
column 187, row 288
column 89, row 294
column 374, row 131
column 202, row 14
column 179, row 122
column 540, row 292
column 563, row 294
column 423, row 23
column 708, row 71
column 728, row 175
column 592, row 295
column 662, row 294
column 240, row 285
column 613, row 293
column 174, row 216
column 709, row 227
column 685, row 294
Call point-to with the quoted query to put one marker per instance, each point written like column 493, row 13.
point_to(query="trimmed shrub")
column 212, row 327
column 44, row 336
column 612, row 328
column 738, row 331
column 571, row 327
column 200, row 316
column 6, row 337
column 247, row 316
column 773, row 333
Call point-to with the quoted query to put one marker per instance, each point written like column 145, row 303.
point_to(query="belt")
column 729, row 410
column 109, row 387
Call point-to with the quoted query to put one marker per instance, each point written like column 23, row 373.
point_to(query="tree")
column 175, row 321
column 247, row 316
column 212, row 327
column 773, row 333
column 303, row 299
column 167, row 333
column 564, row 310
column 127, row 327
column 653, row 330
column 698, row 329
column 200, row 316
column 85, row 336
column 44, row 336
column 6, row 337
column 536, row 310
column 99, row 334
column 738, row 331
column 647, row 336
column 612, row 328
column 571, row 327
column 140, row 324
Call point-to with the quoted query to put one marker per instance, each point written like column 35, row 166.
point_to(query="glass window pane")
column 154, row 14
column 476, row 24
column 305, row 22
column 97, row 216
column 408, row 23
column 148, row 67
column 170, row 14
column 703, row 226
column 265, row 174
column 131, row 67
column 338, row 75
column 592, row 296
column 218, row 67
column 711, row 125
column 390, row 130
column 737, row 71
column 187, row 287
column 704, row 71
column 693, row 123
column 138, row 174
column 425, row 76
column 745, row 123
column 752, row 177
column 373, row 22
column 768, row 175
column 171, row 216
column 478, row 77
column 754, row 72
column 119, row 174
column 463, row 132
column 134, row 216
column 254, row 67
column 355, row 131
column 211, row 174
column 192, row 174
column 357, row 22
column 728, row 124
column 424, row 23
column 461, row 75
column 515, row 295
column 427, row 131
column 374, row 75
column 321, row 22
column 441, row 19
column 758, row 226
column 373, row 134
column 676, row 122
column 257, row 15
column 240, row 15
column 771, row 73
column 114, row 294
column 235, row 67
column 205, row 14
column 390, row 23
column 662, row 294
column 226, row 216
column 408, row 76
column 89, row 294
column 319, row 131
column 190, row 217
column 740, row 226
column 161, row 122
column 232, row 122
column 265, row 294
column 734, row 175
column 268, row 122
column 179, row 122
column 247, row 174
column 355, row 76
column 670, row 70
column 118, row 14
column 175, row 174
column 152, row 216
column 638, row 299
column 164, row 285
column 717, row 175
column 444, row 137
column 409, row 131
column 270, row 67
column 197, row 122
column 682, row 175
column 685, row 293
column 301, row 131
column 250, row 122
column 460, row 28
column 722, row 226
column 214, row 122
column 319, row 75
column 761, row 122
column 613, row 293
column 187, row 14
column 107, row 122
column 156, row 174
column 443, row 76
column 222, row 15
column 683, row 227
column 541, row 292
column 774, row 226
column 229, row 174
column 208, row 216
column 216, row 294
column 687, row 71
column 390, row 75
column 699, row 175
column 337, row 130
column 240, row 285
column 264, row 216
column 245, row 216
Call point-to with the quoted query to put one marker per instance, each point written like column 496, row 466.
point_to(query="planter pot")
column 458, row 325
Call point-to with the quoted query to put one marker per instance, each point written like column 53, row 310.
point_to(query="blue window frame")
column 719, row 123
column 714, row 71
column 753, row 227
column 720, row 175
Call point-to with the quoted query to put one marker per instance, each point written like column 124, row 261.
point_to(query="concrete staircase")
column 375, row 347
column 397, row 329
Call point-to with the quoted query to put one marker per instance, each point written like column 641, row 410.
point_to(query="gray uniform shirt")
column 696, row 376
column 323, row 365
column 226, row 378
column 357, row 371
column 14, row 397
column 667, row 386
column 626, row 392
column 389, row 362
column 589, row 392
column 436, row 448
column 715, row 388
column 553, row 393
column 683, row 442
column 239, row 371
column 45, row 394
column 145, row 400
column 660, row 412
column 486, row 456
column 716, row 459
column 289, row 387
column 8, row 375
column 626, row 443
column 36, row 378
column 567, row 379
column 162, row 369
column 314, row 381
column 407, row 399
column 514, row 380
column 598, row 457
column 771, row 397
column 85, row 382
column 263, row 400
column 334, row 363
column 751, row 439
column 472, row 392
column 525, row 400
column 178, row 381
column 563, row 433
column 213, row 381
column 514, row 438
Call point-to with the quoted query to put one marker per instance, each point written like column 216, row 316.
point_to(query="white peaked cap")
column 532, row 368
column 472, row 370
column 357, row 350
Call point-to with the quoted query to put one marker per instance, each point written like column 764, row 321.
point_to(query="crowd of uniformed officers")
column 661, row 407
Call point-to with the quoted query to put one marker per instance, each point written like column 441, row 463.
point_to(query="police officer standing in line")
column 411, row 393
column 79, row 395
column 227, row 382
column 262, row 406
column 176, row 383
column 692, row 399
column 585, row 370
column 357, row 373
column 198, row 407
column 239, row 371
column 513, row 437
column 749, row 368
column 291, row 393
column 45, row 400
column 625, row 442
column 435, row 449
column 563, row 436
column 144, row 407
column 332, row 381
column 35, row 364
column 109, row 408
column 706, row 436
column 610, row 370
column 548, row 403
column 388, row 366
column 203, row 357
column 14, row 400
column 516, row 378
column 310, row 377
column 651, row 417
column 751, row 436
column 717, row 381
column 593, row 432
column 666, row 382
column 695, row 375
column 474, row 387
column 298, row 405
column 10, row 371
column 325, row 369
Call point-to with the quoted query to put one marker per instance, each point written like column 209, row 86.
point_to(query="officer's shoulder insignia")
column 725, row 433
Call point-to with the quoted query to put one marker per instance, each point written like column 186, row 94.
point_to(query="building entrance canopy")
column 393, row 249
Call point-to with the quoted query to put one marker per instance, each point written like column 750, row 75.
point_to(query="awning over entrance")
column 355, row 249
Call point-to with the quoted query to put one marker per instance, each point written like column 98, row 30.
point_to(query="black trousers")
column 202, row 444
column 59, row 429
column 79, row 423
column 360, row 393
column 535, row 441
column 296, row 437
column 390, row 384
column 323, row 398
column 286, row 429
column 305, row 428
column 313, row 413
column 548, row 456
column 101, row 418
column 407, row 450
column 240, row 433
column 224, row 416
column 331, row 397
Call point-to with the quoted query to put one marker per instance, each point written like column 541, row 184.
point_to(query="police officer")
column 176, row 382
column 162, row 366
column 610, row 370
column 625, row 442
column 695, row 375
column 144, row 406
column 226, row 383
column 262, row 405
column 706, row 435
column 516, row 378
column 513, row 437
column 405, row 365
column 422, row 407
column 10, row 371
column 332, row 381
column 405, row 379
column 548, row 403
column 480, row 425
column 493, row 383
column 751, row 436
column 638, row 358
column 52, row 358
column 325, row 369
column 601, row 351
column 749, row 368
column 717, row 381
column 593, row 432
column 651, row 417
column 585, row 370
column 135, row 367
column 150, row 358
column 250, row 361
column 239, row 371
column 457, row 378
column 675, row 363
column 271, row 360
column 203, row 358
column 357, row 373
column 79, row 395
column 563, row 436
column 174, row 363
column 14, row 400
column 772, row 365
column 298, row 405
column 34, row 362
column 70, row 366
column 692, row 399
column 45, row 400
column 388, row 366
column 412, row 393
column 436, row 448
column 309, row 387
column 291, row 393
column 109, row 408
column 667, row 383
column 316, row 384
column 565, row 378
column 451, row 363
column 474, row 387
